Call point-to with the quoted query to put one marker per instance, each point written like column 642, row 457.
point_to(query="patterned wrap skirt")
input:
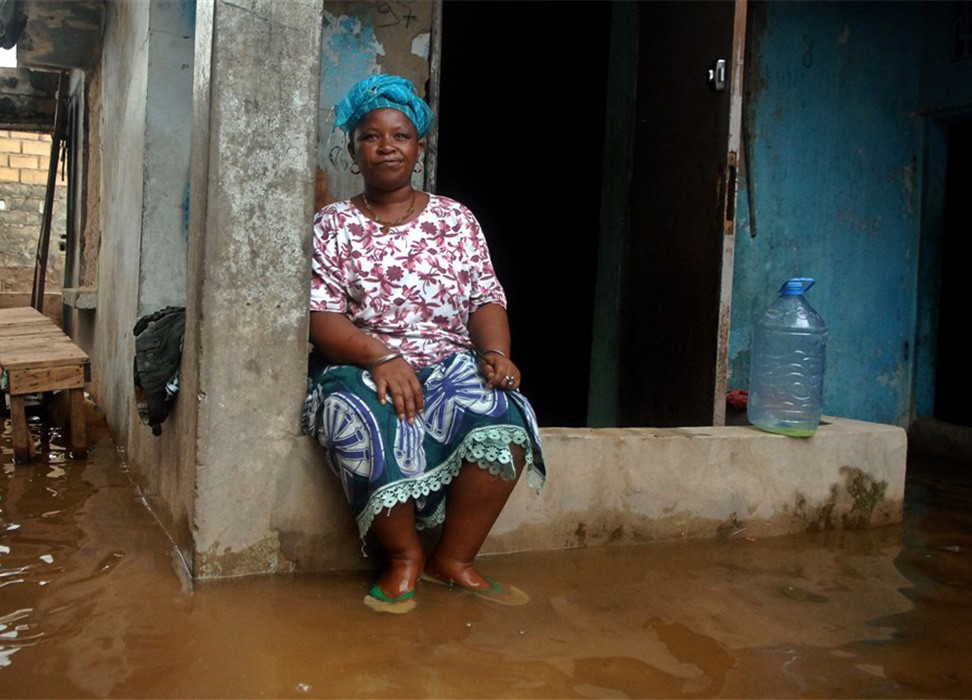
column 383, row 461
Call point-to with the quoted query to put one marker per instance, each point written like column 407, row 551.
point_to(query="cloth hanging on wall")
column 158, row 354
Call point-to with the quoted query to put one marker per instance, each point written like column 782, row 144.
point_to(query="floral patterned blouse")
column 413, row 287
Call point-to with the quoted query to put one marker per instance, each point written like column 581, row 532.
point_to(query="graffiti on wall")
column 393, row 14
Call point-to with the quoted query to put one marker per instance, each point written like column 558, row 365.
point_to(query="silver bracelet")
column 385, row 358
column 498, row 352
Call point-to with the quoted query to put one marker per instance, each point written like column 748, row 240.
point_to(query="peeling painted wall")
column 832, row 191
column 362, row 39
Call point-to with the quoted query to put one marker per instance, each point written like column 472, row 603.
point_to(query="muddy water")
column 92, row 605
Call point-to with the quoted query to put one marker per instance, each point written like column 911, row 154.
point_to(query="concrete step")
column 630, row 485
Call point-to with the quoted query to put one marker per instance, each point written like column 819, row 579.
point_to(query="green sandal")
column 379, row 602
column 504, row 594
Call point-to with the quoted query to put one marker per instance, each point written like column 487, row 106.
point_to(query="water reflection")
column 90, row 605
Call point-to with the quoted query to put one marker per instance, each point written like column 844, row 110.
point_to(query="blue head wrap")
column 378, row 91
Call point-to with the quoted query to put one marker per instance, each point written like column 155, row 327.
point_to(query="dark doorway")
column 675, row 299
column 953, row 381
column 521, row 130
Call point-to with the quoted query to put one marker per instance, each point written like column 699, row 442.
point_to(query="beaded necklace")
column 385, row 226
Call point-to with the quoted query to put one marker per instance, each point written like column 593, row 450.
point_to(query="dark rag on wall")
column 158, row 353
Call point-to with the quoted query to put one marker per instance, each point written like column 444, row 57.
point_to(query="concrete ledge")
column 82, row 298
column 639, row 484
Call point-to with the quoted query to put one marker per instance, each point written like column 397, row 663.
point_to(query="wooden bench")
column 36, row 357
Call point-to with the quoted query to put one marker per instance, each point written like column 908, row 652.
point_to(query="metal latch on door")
column 717, row 75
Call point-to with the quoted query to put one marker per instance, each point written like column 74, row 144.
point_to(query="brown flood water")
column 92, row 605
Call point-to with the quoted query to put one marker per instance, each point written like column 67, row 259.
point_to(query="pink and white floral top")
column 414, row 287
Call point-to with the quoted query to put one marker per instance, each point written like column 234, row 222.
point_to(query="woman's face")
column 386, row 147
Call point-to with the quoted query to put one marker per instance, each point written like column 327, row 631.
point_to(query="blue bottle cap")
column 795, row 286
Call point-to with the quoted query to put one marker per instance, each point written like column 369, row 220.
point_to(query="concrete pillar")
column 162, row 262
column 255, row 102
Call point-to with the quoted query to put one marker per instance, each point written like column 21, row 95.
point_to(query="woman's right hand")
column 343, row 343
column 396, row 379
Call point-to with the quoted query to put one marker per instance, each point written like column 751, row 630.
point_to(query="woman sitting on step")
column 412, row 389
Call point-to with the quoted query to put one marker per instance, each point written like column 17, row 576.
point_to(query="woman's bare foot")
column 455, row 573
column 466, row 578
column 395, row 590
column 400, row 576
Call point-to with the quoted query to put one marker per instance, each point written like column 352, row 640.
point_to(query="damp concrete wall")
column 164, row 468
column 255, row 98
column 639, row 484
column 145, row 83
column 830, row 191
column 168, row 127
column 124, row 84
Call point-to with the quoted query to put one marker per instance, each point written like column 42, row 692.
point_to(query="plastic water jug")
column 788, row 359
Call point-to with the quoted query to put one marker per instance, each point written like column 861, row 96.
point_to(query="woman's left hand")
column 500, row 372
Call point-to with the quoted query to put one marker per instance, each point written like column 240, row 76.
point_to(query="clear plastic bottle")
column 787, row 364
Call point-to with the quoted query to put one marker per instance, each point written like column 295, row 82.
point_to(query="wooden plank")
column 36, row 380
column 38, row 357
column 79, row 445
column 7, row 324
column 50, row 357
column 39, row 351
column 28, row 326
column 22, row 314
column 19, row 311
column 30, row 338
column 11, row 344
column 23, row 442
column 25, row 332
column 36, row 344
column 50, row 361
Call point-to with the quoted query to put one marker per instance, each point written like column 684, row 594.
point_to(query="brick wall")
column 24, row 158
